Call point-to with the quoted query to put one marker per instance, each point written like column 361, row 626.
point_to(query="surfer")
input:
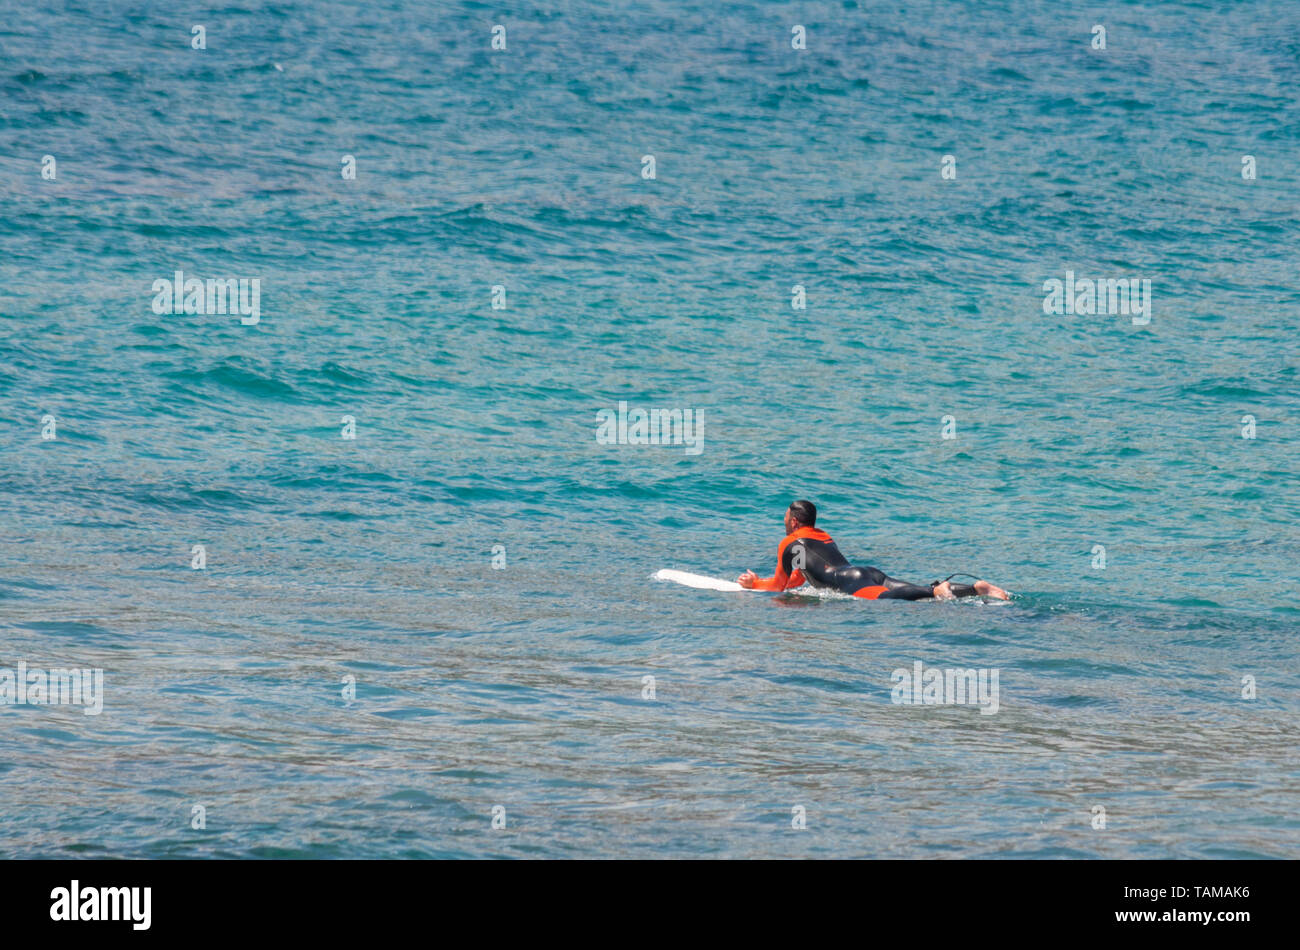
column 807, row 554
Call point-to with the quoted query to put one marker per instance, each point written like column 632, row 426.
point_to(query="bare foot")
column 944, row 592
column 989, row 590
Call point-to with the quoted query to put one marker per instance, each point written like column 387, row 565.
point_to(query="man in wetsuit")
column 808, row 554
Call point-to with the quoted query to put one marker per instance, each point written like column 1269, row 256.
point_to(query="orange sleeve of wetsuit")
column 780, row 580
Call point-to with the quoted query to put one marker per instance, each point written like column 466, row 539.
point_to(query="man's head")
column 800, row 514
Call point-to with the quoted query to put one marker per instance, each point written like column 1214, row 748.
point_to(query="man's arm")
column 779, row 581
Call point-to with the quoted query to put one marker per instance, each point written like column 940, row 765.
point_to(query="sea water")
column 363, row 579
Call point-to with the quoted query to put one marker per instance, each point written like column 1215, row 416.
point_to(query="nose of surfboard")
column 698, row 581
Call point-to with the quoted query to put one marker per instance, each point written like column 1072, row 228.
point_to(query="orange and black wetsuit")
column 810, row 555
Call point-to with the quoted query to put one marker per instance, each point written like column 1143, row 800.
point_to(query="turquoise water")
column 520, row 685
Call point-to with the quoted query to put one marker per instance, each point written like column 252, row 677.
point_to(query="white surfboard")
column 696, row 580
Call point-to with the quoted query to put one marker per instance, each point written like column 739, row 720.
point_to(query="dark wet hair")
column 805, row 512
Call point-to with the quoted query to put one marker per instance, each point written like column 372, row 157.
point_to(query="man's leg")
column 873, row 584
column 950, row 591
column 902, row 590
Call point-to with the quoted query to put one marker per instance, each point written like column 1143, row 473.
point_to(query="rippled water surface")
column 522, row 687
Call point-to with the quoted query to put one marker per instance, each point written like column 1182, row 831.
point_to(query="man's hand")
column 747, row 580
